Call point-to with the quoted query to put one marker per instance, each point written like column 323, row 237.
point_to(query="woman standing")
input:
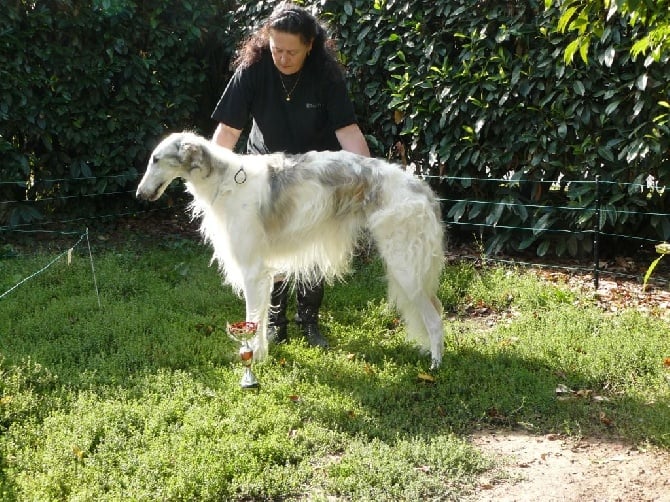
column 290, row 83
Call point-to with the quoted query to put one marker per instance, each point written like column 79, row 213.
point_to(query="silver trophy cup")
column 242, row 332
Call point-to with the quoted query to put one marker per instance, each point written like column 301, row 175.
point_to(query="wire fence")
column 68, row 227
column 595, row 209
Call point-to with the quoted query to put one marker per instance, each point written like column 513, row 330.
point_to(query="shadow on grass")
column 392, row 396
column 480, row 383
column 373, row 385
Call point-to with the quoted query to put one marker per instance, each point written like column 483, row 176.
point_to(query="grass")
column 139, row 399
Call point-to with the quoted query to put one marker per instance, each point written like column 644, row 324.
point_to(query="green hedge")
column 88, row 87
column 476, row 90
column 483, row 93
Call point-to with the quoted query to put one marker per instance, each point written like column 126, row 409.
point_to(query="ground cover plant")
column 138, row 398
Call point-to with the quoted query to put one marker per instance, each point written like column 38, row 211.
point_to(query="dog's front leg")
column 257, row 290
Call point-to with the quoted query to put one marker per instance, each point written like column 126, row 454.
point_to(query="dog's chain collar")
column 243, row 176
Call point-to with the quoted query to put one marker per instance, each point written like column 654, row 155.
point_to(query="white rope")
column 34, row 275
column 67, row 253
column 95, row 280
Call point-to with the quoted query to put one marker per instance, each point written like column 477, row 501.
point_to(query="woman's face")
column 288, row 51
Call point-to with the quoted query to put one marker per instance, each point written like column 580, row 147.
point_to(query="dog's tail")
column 410, row 240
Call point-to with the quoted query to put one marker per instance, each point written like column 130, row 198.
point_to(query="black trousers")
column 309, row 297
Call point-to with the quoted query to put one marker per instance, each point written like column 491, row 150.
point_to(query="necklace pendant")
column 288, row 92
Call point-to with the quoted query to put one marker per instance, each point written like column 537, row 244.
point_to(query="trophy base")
column 249, row 381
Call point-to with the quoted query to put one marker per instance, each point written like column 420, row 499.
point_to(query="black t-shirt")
column 319, row 105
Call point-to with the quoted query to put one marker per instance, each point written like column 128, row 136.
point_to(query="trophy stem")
column 249, row 380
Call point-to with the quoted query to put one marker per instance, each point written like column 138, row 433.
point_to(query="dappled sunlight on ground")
column 554, row 467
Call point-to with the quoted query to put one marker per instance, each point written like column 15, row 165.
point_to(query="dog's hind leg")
column 420, row 310
column 257, row 291
column 431, row 312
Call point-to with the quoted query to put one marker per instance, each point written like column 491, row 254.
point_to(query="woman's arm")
column 351, row 139
column 226, row 136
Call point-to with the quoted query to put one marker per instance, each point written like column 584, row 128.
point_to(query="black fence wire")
column 595, row 231
column 69, row 226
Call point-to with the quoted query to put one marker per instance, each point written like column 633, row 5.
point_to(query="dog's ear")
column 194, row 154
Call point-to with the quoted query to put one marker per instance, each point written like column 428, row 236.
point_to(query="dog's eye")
column 154, row 159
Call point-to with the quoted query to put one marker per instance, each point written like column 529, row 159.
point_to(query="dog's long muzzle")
column 140, row 194
column 151, row 186
column 145, row 193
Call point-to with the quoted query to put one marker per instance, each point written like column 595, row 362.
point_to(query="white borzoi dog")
column 301, row 216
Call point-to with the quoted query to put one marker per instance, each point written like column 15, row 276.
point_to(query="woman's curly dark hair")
column 289, row 18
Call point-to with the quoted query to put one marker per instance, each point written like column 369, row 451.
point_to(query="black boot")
column 310, row 297
column 277, row 322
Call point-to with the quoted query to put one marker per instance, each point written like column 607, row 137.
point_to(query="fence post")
column 596, row 237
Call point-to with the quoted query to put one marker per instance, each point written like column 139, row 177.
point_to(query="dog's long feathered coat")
column 301, row 215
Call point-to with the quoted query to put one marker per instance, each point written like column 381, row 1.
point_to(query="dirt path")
column 556, row 468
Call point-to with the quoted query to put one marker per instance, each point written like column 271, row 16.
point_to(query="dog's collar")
column 240, row 176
